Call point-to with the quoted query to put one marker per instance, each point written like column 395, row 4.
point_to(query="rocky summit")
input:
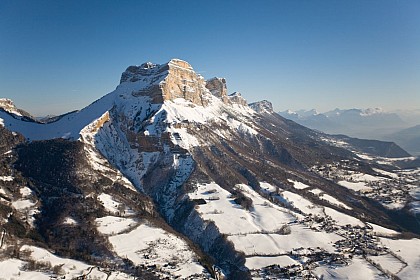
column 171, row 177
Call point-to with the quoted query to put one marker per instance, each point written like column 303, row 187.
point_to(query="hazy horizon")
column 61, row 56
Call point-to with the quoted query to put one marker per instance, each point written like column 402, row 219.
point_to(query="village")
column 392, row 189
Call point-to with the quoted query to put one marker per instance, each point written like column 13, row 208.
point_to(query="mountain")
column 371, row 123
column 169, row 176
column 8, row 106
column 408, row 138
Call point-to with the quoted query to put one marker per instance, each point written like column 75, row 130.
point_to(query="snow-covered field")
column 408, row 250
column 298, row 185
column 277, row 244
column 232, row 218
column 111, row 225
column 355, row 186
column 53, row 267
column 149, row 245
column 260, row 262
column 358, row 269
column 256, row 232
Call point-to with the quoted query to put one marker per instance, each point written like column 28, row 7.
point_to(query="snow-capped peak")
column 263, row 106
column 8, row 105
column 371, row 111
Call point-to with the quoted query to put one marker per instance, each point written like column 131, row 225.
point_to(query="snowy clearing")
column 343, row 219
column 408, row 251
column 359, row 269
column 111, row 225
column 260, row 262
column 355, row 186
column 298, row 185
column 276, row 244
column 153, row 246
column 69, row 269
column 109, row 203
column 231, row 218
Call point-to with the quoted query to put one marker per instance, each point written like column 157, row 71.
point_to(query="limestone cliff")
column 237, row 98
column 217, row 87
column 175, row 79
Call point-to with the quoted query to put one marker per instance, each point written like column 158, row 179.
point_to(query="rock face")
column 175, row 79
column 183, row 82
column 217, row 87
column 237, row 98
column 263, row 106
column 7, row 104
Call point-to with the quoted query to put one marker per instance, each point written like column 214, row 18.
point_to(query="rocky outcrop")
column 183, row 82
column 263, row 106
column 237, row 98
column 217, row 87
column 10, row 107
column 175, row 79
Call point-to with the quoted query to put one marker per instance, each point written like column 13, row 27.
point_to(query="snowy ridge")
column 9, row 106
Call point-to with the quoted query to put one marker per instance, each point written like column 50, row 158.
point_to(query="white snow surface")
column 6, row 178
column 153, row 246
column 275, row 244
column 14, row 268
column 334, row 201
column 22, row 204
column 408, row 250
column 298, row 185
column 268, row 187
column 111, row 225
column 382, row 230
column 343, row 219
column 70, row 221
column 302, row 204
column 359, row 269
column 25, row 192
column 355, row 186
column 255, row 232
column 260, row 262
column 232, row 218
column 109, row 203
column 389, row 262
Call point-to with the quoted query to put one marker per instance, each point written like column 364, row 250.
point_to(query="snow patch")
column 70, row 221
column 109, row 203
column 382, row 230
column 22, row 204
column 298, row 185
column 355, row 186
column 111, row 225
column 6, row 178
column 260, row 262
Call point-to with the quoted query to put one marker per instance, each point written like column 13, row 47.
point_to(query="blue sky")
column 57, row 56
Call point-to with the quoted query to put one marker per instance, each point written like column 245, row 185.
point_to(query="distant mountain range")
column 371, row 123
